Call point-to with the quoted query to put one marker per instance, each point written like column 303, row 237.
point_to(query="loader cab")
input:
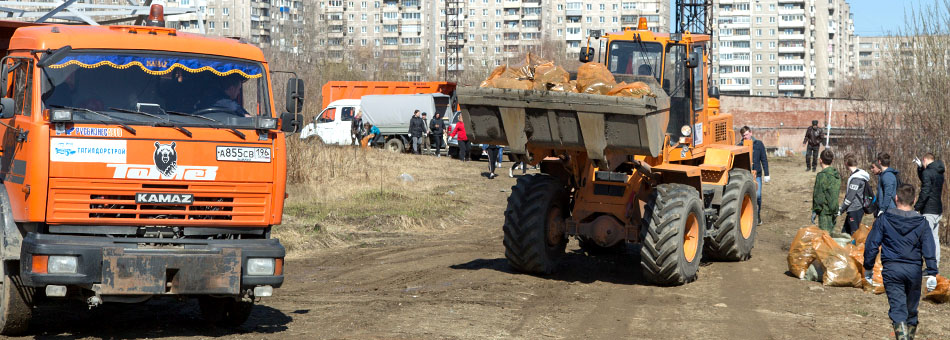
column 677, row 62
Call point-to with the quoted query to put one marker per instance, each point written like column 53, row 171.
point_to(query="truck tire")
column 225, row 312
column 735, row 226
column 395, row 145
column 673, row 242
column 15, row 302
column 534, row 227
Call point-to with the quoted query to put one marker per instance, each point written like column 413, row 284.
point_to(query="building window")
column 224, row 11
column 225, row 25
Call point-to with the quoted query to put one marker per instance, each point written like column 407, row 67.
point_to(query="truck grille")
column 113, row 202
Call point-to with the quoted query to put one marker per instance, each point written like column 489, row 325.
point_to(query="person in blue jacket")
column 760, row 164
column 887, row 183
column 906, row 240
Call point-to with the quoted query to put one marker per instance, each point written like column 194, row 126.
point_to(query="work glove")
column 766, row 179
column 813, row 215
column 917, row 161
column 879, row 213
column 868, row 276
column 931, row 283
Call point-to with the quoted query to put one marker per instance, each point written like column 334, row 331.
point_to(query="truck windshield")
column 636, row 58
column 179, row 89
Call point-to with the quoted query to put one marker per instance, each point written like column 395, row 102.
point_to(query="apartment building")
column 797, row 48
column 268, row 23
column 872, row 51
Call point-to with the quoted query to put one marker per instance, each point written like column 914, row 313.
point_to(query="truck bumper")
column 143, row 266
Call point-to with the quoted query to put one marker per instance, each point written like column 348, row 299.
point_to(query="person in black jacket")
column 417, row 131
column 436, row 130
column 760, row 164
column 930, row 172
column 905, row 241
column 813, row 137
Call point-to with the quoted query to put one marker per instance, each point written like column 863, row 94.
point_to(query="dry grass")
column 345, row 196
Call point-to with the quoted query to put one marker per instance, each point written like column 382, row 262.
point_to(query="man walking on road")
column 853, row 204
column 825, row 197
column 760, row 164
column 436, row 130
column 905, row 240
column 930, row 172
column 813, row 137
column 887, row 183
column 417, row 131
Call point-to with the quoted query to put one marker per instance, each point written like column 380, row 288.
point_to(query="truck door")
column 13, row 162
column 344, row 125
column 325, row 121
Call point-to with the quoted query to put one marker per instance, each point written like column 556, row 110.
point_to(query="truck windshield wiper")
column 167, row 124
column 233, row 130
column 104, row 122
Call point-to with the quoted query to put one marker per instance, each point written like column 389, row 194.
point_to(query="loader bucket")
column 597, row 124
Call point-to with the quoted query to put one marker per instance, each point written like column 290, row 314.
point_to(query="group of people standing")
column 427, row 133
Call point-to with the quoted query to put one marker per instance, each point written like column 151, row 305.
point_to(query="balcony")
column 796, row 23
column 734, row 50
column 794, row 37
column 574, row 12
column 511, row 17
column 736, row 25
column 734, row 87
column 791, row 61
column 791, row 49
column 791, row 87
column 735, row 62
column 791, row 74
column 785, row 11
column 734, row 37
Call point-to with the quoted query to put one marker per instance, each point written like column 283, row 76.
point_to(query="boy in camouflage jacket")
column 825, row 199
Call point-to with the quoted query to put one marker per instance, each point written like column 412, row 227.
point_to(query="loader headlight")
column 686, row 131
column 259, row 266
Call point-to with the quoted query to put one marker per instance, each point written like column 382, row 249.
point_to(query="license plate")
column 243, row 154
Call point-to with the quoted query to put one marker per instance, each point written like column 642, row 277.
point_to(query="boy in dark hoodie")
column 825, row 197
column 853, row 204
column 905, row 239
column 930, row 172
column 887, row 182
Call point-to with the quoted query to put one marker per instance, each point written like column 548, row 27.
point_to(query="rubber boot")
column 911, row 332
column 900, row 331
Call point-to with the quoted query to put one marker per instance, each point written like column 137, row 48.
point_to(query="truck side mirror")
column 694, row 59
column 714, row 92
column 289, row 122
column 6, row 108
column 295, row 95
column 587, row 54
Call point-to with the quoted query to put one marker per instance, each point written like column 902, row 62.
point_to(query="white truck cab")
column 332, row 125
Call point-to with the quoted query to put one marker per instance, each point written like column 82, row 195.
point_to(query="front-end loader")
column 664, row 172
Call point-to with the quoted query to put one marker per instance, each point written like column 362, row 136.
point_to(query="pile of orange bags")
column 538, row 74
column 843, row 266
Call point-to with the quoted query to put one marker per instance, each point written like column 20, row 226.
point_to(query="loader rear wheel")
column 534, row 224
column 225, row 311
column 736, row 223
column 672, row 247
column 15, row 302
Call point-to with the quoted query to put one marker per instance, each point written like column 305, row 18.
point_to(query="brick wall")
column 780, row 122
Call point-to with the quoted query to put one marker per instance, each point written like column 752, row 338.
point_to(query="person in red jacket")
column 459, row 133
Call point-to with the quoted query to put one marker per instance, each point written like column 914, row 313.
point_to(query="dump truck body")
column 663, row 170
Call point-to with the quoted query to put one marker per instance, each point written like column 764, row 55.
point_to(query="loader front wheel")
column 534, row 227
column 15, row 302
column 735, row 226
column 672, row 246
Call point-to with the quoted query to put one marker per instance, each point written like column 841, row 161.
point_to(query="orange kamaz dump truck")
column 139, row 162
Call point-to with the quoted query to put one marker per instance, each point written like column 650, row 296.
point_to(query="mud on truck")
column 139, row 162
column 662, row 171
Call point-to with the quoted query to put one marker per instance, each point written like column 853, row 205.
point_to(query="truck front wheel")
column 225, row 312
column 15, row 302
column 395, row 145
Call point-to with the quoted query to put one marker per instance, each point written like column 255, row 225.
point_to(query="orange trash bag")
column 942, row 293
column 802, row 251
column 636, row 90
column 861, row 234
column 497, row 72
column 877, row 279
column 548, row 75
column 595, row 78
column 840, row 268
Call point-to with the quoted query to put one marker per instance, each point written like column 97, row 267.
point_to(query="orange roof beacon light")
column 641, row 25
column 156, row 14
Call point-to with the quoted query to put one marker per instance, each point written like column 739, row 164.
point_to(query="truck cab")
column 139, row 162
column 333, row 124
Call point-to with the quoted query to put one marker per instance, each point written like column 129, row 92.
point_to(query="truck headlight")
column 61, row 116
column 259, row 266
column 62, row 265
column 266, row 123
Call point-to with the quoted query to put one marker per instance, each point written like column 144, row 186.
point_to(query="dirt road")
column 456, row 284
